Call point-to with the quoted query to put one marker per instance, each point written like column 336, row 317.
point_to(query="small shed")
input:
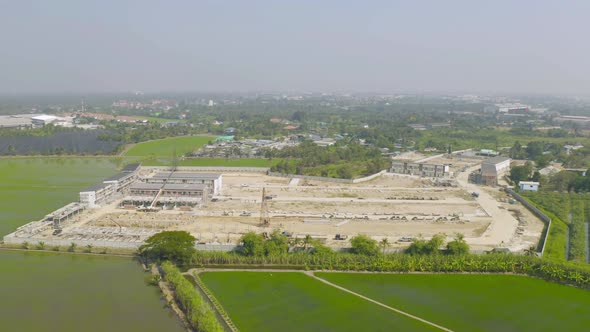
column 528, row 186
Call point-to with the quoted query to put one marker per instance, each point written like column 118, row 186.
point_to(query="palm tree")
column 384, row 244
column 306, row 241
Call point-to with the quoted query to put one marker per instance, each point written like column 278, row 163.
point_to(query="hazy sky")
column 388, row 46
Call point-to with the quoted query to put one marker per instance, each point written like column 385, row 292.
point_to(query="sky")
column 498, row 46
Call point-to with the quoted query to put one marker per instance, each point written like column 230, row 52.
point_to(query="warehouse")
column 493, row 169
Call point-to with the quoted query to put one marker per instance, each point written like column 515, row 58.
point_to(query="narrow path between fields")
column 311, row 274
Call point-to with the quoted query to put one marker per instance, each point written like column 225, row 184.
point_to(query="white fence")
column 209, row 168
column 321, row 178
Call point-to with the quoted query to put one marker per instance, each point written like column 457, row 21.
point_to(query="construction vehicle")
column 340, row 237
column 264, row 214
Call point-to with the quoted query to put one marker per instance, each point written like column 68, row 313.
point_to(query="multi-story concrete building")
column 425, row 170
column 213, row 181
column 97, row 194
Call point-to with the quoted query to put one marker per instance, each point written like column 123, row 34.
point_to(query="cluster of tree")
column 524, row 173
column 542, row 153
column 458, row 246
column 547, row 269
column 276, row 244
column 344, row 159
column 175, row 246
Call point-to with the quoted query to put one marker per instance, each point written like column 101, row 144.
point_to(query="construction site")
column 218, row 205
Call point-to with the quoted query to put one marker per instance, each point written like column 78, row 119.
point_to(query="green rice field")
column 30, row 188
column 44, row 291
column 165, row 147
column 281, row 301
column 285, row 301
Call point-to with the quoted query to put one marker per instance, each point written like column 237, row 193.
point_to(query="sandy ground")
column 389, row 206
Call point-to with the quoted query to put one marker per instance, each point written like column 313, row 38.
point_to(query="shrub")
column 198, row 312
column 252, row 244
column 458, row 246
column 422, row 247
column 364, row 245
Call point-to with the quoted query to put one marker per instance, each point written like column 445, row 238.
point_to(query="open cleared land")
column 476, row 302
column 259, row 301
column 264, row 301
column 389, row 206
column 166, row 147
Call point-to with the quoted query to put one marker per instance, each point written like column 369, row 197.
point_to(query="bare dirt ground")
column 390, row 206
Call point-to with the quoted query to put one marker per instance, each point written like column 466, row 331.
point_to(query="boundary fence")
column 536, row 212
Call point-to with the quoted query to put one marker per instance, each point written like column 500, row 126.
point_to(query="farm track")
column 311, row 274
column 587, row 231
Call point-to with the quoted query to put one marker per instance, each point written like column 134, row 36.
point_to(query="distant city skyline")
column 66, row 46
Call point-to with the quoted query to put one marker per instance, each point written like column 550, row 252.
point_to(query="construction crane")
column 264, row 215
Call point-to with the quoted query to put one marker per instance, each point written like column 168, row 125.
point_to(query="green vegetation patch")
column 30, row 188
column 284, row 301
column 566, row 210
column 166, row 147
column 476, row 302
column 213, row 162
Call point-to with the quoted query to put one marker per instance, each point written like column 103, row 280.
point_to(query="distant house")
column 229, row 130
column 528, row 186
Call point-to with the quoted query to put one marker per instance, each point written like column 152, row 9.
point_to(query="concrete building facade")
column 493, row 169
column 420, row 169
column 213, row 181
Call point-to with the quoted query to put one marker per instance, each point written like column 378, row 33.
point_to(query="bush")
column 422, row 247
column 277, row 244
column 252, row 244
column 458, row 246
column 198, row 312
column 364, row 245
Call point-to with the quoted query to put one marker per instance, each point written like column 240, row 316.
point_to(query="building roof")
column 14, row 121
column 168, row 186
column 495, row 160
column 188, row 187
column 528, row 183
column 97, row 187
column 44, row 117
column 145, row 186
column 117, row 177
column 186, row 175
column 131, row 168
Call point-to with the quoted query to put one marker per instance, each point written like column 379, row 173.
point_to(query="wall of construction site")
column 10, row 239
column 537, row 213
column 220, row 169
column 321, row 178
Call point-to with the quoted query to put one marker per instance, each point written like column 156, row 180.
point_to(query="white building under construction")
column 153, row 190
